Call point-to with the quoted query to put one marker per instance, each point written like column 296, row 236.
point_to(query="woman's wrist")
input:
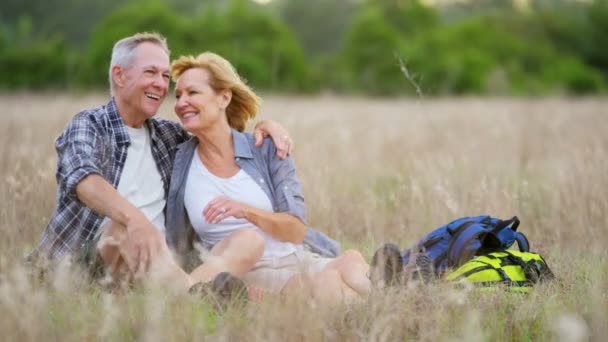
column 250, row 214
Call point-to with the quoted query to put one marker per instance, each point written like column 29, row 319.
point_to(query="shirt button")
column 237, row 158
column 285, row 187
column 261, row 180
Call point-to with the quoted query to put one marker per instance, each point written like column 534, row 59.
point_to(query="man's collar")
column 117, row 124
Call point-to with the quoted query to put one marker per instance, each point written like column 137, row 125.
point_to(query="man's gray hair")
column 124, row 50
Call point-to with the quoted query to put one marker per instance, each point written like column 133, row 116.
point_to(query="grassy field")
column 373, row 171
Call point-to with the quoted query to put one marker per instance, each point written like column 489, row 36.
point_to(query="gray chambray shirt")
column 276, row 177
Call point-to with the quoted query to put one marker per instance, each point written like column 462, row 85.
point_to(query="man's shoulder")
column 160, row 122
column 88, row 120
column 164, row 124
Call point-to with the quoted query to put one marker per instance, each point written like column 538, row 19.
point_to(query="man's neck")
column 128, row 115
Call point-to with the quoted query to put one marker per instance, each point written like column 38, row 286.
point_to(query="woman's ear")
column 226, row 97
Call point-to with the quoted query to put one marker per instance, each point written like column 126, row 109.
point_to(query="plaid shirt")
column 96, row 142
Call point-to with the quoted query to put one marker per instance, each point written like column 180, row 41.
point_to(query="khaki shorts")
column 273, row 274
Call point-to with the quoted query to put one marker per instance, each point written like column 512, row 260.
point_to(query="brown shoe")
column 386, row 268
column 224, row 290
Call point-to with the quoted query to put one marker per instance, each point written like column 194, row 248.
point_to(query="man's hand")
column 279, row 136
column 142, row 244
column 221, row 207
column 138, row 240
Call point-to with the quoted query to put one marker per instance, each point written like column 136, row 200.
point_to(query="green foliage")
column 73, row 19
column 598, row 18
column 262, row 48
column 319, row 25
column 462, row 57
column 369, row 56
column 483, row 55
column 408, row 17
column 125, row 21
column 27, row 62
column 259, row 46
column 477, row 47
column 374, row 45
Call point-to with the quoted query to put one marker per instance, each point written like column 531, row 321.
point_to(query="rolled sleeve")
column 293, row 200
column 77, row 155
column 287, row 187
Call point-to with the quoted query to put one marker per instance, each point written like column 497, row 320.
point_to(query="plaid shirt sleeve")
column 77, row 154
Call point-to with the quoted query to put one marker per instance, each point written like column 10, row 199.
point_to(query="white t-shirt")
column 140, row 182
column 202, row 186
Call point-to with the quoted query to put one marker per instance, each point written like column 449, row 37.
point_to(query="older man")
column 114, row 164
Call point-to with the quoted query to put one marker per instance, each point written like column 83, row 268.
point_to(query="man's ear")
column 118, row 75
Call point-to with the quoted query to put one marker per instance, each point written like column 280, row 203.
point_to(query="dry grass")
column 373, row 171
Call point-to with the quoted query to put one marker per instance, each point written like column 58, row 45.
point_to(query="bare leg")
column 353, row 271
column 237, row 254
column 326, row 287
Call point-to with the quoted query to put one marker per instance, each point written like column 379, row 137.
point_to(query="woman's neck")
column 215, row 143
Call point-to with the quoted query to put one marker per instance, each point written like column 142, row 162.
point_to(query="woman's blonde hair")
column 244, row 104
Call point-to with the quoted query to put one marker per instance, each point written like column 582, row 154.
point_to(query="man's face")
column 145, row 82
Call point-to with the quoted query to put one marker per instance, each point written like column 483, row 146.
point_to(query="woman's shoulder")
column 267, row 147
column 186, row 148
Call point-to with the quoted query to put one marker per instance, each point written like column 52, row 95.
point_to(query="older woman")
column 223, row 190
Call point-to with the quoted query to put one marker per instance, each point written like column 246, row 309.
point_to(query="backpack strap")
column 522, row 242
column 513, row 222
column 534, row 270
column 486, row 265
column 466, row 235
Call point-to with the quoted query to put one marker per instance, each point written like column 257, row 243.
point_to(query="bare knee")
column 250, row 243
column 352, row 256
column 347, row 260
column 239, row 251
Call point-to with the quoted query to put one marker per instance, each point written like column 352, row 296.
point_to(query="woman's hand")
column 281, row 226
column 221, row 207
column 279, row 136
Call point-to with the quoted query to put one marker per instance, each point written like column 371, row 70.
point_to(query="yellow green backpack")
column 515, row 270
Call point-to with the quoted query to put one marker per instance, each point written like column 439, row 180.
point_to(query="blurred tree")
column 27, row 62
column 73, row 19
column 565, row 24
column 467, row 57
column 408, row 17
column 319, row 25
column 369, row 58
column 151, row 16
column 574, row 28
column 481, row 46
column 598, row 54
column 260, row 46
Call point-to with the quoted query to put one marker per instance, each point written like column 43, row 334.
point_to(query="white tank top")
column 202, row 186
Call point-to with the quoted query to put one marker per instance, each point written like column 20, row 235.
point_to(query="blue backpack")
column 455, row 243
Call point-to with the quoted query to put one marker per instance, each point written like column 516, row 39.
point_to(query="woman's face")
column 198, row 106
